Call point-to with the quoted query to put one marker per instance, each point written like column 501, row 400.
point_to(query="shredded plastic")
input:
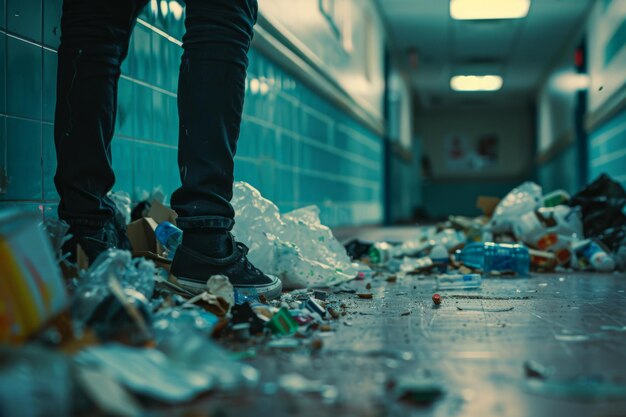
column 93, row 285
column 296, row 246
column 123, row 205
column 57, row 231
column 183, row 367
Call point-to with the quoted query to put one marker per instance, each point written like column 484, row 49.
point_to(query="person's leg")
column 210, row 103
column 94, row 42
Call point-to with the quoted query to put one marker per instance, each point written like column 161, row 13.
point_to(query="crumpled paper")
column 294, row 246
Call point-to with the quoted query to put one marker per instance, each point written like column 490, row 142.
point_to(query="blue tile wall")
column 295, row 146
column 607, row 149
column 560, row 172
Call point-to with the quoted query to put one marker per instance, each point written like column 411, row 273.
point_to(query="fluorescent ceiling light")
column 476, row 83
column 488, row 9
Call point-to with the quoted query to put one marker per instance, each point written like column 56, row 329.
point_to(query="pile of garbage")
column 525, row 231
column 121, row 328
column 120, row 333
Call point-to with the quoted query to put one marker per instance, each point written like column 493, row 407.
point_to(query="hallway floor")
column 474, row 346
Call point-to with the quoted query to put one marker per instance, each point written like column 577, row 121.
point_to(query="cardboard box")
column 144, row 243
column 161, row 213
column 487, row 204
column 32, row 290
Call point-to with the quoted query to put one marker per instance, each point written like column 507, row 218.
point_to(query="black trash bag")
column 357, row 249
column 602, row 203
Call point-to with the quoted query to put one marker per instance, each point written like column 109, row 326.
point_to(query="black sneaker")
column 192, row 270
column 95, row 241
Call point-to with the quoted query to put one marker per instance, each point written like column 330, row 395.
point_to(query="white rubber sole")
column 269, row 291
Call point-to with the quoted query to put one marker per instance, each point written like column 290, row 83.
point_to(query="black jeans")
column 94, row 42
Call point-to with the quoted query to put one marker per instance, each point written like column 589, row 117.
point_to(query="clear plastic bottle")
column 169, row 236
column 500, row 257
column 458, row 281
column 382, row 252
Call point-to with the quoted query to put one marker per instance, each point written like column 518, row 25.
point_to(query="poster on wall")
column 463, row 155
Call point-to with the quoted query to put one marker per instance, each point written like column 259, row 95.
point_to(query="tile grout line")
column 41, row 153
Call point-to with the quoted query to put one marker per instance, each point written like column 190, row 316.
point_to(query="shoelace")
column 247, row 264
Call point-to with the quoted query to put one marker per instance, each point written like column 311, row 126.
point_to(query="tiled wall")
column 560, row 172
column 607, row 149
column 295, row 146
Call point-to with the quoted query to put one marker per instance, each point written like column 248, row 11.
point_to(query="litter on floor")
column 469, row 316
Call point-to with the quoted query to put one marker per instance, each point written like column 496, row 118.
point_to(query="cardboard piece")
column 161, row 213
column 144, row 243
column 487, row 204
column 210, row 302
column 32, row 289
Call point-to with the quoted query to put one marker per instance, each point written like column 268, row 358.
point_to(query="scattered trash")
column 133, row 330
column 320, row 295
column 34, row 382
column 94, row 286
column 521, row 200
column 241, row 331
column 484, row 309
column 296, row 247
column 590, row 254
column 440, row 257
column 296, row 384
column 181, row 369
column 416, row 265
column 418, row 391
column 534, row 369
column 283, row 323
column 436, row 299
column 123, row 204
column 169, row 236
column 498, row 257
column 458, row 281
column 220, row 286
column 31, row 287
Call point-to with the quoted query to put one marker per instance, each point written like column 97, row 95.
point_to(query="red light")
column 579, row 58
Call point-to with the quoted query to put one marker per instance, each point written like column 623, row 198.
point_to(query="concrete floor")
column 574, row 324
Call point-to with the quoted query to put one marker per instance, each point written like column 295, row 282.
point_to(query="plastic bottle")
column 501, row 257
column 169, row 236
column 439, row 255
column 589, row 251
column 382, row 252
column 458, row 281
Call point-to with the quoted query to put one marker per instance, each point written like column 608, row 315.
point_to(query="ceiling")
column 520, row 50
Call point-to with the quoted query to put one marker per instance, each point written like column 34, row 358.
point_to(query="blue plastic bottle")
column 500, row 257
column 169, row 236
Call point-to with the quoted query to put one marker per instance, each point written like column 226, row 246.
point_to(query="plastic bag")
column 178, row 320
column 184, row 366
column 123, row 206
column 93, row 286
column 57, row 231
column 527, row 197
column 295, row 246
column 602, row 203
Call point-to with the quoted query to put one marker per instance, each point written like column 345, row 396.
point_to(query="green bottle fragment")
column 283, row 323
